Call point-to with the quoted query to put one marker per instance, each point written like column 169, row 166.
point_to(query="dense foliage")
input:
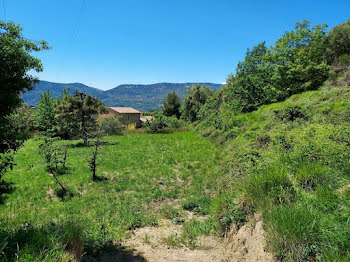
column 111, row 126
column 193, row 102
column 45, row 120
column 16, row 61
column 338, row 42
column 290, row 160
column 80, row 112
column 295, row 63
column 172, row 104
column 157, row 123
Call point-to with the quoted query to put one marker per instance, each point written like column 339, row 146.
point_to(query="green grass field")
column 287, row 161
column 145, row 172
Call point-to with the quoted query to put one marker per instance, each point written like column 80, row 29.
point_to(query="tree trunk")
column 86, row 140
column 60, row 184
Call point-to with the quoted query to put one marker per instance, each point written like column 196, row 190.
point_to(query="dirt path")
column 150, row 242
column 247, row 244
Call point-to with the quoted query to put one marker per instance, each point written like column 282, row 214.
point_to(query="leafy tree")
column 16, row 61
column 64, row 129
column 22, row 121
column 157, row 123
column 45, row 113
column 79, row 112
column 194, row 100
column 252, row 85
column 338, row 41
column 171, row 106
column 295, row 63
column 299, row 58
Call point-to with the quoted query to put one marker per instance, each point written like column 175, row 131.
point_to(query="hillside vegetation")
column 290, row 161
column 275, row 146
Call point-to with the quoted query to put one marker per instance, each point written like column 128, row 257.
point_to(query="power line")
column 74, row 32
column 3, row 5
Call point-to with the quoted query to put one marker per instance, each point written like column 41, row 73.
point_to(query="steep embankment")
column 290, row 162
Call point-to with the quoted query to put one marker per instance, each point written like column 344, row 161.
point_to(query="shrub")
column 157, row 123
column 22, row 120
column 290, row 113
column 54, row 155
column 174, row 122
column 111, row 126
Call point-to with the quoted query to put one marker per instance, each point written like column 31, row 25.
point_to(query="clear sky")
column 104, row 43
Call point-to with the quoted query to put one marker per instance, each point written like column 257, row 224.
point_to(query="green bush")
column 290, row 113
column 156, row 124
column 174, row 122
column 111, row 126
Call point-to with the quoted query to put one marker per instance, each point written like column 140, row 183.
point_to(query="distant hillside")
column 141, row 97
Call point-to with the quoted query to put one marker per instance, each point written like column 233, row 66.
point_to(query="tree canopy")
column 45, row 113
column 16, row 60
column 172, row 105
column 79, row 113
column 194, row 100
column 338, row 41
column 295, row 63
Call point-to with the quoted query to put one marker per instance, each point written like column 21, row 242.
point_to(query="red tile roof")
column 125, row 110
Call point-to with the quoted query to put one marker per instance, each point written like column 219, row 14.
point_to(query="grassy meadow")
column 145, row 172
column 288, row 161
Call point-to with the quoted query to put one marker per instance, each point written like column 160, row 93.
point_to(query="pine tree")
column 45, row 114
column 79, row 113
column 171, row 106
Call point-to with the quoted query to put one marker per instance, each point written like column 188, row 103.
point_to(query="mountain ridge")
column 143, row 97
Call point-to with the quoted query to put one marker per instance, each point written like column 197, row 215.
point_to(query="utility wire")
column 3, row 5
column 74, row 33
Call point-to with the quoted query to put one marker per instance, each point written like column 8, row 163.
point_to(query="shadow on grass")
column 52, row 240
column 100, row 179
column 91, row 144
column 64, row 195
column 162, row 131
column 5, row 188
column 59, row 171
column 115, row 253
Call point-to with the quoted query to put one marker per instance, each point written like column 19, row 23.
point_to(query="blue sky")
column 104, row 43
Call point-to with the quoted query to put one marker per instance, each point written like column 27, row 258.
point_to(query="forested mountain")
column 141, row 97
